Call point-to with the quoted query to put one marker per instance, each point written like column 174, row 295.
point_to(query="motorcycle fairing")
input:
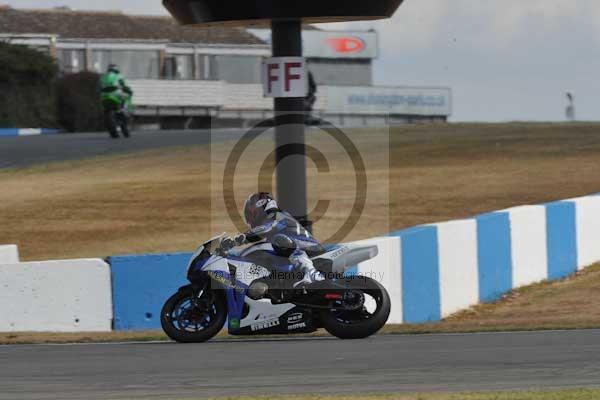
column 261, row 311
column 235, row 275
column 255, row 317
column 275, row 319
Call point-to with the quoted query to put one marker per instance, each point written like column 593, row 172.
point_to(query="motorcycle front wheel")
column 187, row 318
column 123, row 123
column 110, row 121
column 362, row 312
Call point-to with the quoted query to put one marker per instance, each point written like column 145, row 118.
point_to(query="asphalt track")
column 24, row 151
column 474, row 362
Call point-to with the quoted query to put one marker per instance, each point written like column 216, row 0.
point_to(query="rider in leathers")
column 286, row 235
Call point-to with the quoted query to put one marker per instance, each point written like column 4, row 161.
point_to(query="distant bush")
column 27, row 84
column 79, row 106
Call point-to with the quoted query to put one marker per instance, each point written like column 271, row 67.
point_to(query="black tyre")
column 188, row 319
column 372, row 312
column 124, row 127
column 110, row 120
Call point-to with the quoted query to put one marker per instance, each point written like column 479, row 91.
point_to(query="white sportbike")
column 261, row 299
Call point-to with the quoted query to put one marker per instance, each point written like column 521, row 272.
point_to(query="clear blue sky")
column 505, row 60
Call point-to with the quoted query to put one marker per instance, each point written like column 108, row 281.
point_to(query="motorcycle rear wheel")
column 186, row 319
column 360, row 323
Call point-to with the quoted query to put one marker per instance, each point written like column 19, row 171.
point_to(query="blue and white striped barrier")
column 8, row 132
column 433, row 271
column 452, row 266
column 430, row 271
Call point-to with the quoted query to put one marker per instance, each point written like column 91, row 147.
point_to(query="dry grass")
column 158, row 201
column 8, row 338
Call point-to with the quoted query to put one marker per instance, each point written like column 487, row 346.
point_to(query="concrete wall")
column 528, row 244
column 56, row 296
column 141, row 285
column 588, row 230
column 9, row 254
column 383, row 268
column 459, row 273
column 430, row 271
column 448, row 267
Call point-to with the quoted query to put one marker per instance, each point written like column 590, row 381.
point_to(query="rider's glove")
column 240, row 239
column 227, row 244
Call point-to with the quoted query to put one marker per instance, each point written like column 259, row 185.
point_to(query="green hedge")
column 27, row 83
column 34, row 96
column 79, row 104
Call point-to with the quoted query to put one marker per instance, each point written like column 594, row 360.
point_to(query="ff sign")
column 285, row 77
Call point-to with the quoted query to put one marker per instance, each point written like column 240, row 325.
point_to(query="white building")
column 185, row 77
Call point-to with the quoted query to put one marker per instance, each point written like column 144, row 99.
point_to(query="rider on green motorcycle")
column 115, row 92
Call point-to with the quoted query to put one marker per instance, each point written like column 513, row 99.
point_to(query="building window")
column 180, row 66
column 71, row 61
column 203, row 67
column 134, row 64
column 235, row 69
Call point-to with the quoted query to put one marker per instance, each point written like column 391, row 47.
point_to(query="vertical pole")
column 291, row 169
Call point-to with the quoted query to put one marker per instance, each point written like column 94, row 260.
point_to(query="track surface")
column 502, row 361
column 31, row 150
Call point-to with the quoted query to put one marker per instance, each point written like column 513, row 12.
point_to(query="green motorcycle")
column 117, row 111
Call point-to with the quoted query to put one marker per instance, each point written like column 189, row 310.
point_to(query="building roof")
column 70, row 24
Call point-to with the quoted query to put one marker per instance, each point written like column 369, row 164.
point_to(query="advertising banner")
column 389, row 100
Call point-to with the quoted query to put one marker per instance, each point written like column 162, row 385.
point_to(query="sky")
column 504, row 59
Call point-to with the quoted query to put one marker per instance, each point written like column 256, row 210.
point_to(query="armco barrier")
column 56, row 296
column 9, row 254
column 141, row 285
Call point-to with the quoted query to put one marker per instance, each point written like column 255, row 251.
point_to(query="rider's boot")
column 304, row 264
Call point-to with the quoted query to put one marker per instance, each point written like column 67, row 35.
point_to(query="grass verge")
column 159, row 201
column 574, row 394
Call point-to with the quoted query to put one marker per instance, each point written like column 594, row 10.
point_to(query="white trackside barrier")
column 529, row 246
column 457, row 248
column 385, row 268
column 588, row 230
column 56, row 296
column 9, row 254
